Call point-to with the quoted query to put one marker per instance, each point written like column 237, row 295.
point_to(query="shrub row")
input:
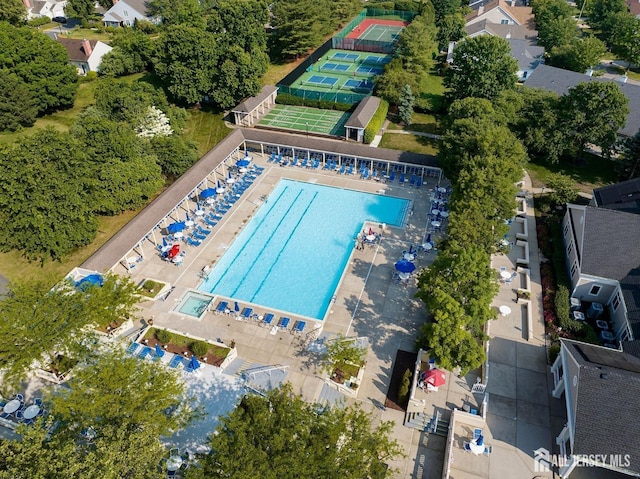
column 287, row 99
column 376, row 121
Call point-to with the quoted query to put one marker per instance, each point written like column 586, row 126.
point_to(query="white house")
column 85, row 55
column 44, row 8
column 502, row 12
column 124, row 13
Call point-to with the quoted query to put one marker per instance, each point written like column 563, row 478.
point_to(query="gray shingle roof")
column 528, row 56
column 125, row 239
column 250, row 104
column 503, row 31
column 363, row 113
column 624, row 196
column 611, row 250
column 560, row 81
column 608, row 388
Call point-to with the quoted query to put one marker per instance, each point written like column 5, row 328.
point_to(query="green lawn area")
column 88, row 33
column 422, row 122
column 595, row 172
column 277, row 72
column 413, row 143
column 205, row 128
column 432, row 91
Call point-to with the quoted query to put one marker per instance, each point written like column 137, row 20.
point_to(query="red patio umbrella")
column 174, row 251
column 435, row 377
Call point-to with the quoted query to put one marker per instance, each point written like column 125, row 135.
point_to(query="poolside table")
column 475, row 448
column 504, row 310
column 371, row 237
column 442, row 190
column 198, row 213
column 435, row 224
column 404, row 276
column 444, row 214
column 409, row 257
column 31, row 412
column 427, row 246
column 12, row 406
column 230, row 181
column 174, row 463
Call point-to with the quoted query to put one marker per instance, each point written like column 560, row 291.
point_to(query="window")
column 126, row 14
column 574, row 266
column 570, row 249
column 595, row 290
column 616, row 302
column 504, row 22
column 566, row 230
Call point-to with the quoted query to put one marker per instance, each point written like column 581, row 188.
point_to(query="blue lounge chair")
column 222, row 307
column 412, row 181
column 202, row 230
column 342, row 169
column 304, row 163
column 199, row 236
column 176, row 361
column 144, row 352
column 193, row 242
column 213, row 216
column 419, row 182
column 365, row 174
column 210, row 222
column 268, row 319
column 284, row 322
column 477, row 433
column 350, row 170
column 299, row 326
column 316, row 164
column 258, row 169
column 392, row 176
column 133, row 347
column 247, row 313
column 37, row 401
column 402, row 179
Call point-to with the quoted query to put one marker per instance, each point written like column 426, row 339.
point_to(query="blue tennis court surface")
column 339, row 67
column 358, row 84
column 320, row 80
column 371, row 70
column 377, row 60
column 345, row 57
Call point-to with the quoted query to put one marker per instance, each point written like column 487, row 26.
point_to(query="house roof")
column 363, row 113
column 634, row 7
column 502, row 31
column 528, row 56
column 608, row 386
column 610, row 249
column 37, row 6
column 560, row 81
column 75, row 48
column 138, row 5
column 250, row 104
column 624, row 196
column 520, row 15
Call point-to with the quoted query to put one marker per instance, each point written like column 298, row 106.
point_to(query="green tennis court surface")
column 306, row 120
column 380, row 33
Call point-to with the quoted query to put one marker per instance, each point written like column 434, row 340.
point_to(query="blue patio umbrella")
column 411, row 251
column 428, row 238
column 405, row 266
column 242, row 163
column 175, row 227
column 159, row 351
column 164, row 242
column 193, row 364
column 189, row 219
column 236, row 307
column 207, row 193
column 90, row 280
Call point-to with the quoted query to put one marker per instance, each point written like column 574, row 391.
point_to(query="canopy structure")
column 244, row 162
column 207, row 193
column 435, row 377
column 176, row 227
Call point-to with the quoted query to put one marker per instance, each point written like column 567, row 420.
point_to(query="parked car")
column 59, row 19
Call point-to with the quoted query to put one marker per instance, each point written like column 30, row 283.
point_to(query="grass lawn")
column 277, row 72
column 415, row 144
column 205, row 128
column 432, row 90
column 595, row 172
column 88, row 33
column 423, row 122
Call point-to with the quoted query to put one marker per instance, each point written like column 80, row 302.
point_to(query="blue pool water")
column 194, row 304
column 292, row 253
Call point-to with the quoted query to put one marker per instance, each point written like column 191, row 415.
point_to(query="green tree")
column 554, row 21
column 593, row 113
column 177, row 12
column 579, row 55
column 18, row 107
column 405, row 108
column 13, row 12
column 41, row 63
column 389, row 85
column 445, row 7
column 84, row 9
column 417, row 46
column 472, row 108
column 40, row 322
column 273, row 435
column 46, row 203
column 600, row 10
column 186, row 62
column 175, row 155
column 625, row 37
column 563, row 188
column 241, row 23
column 482, row 67
column 628, row 162
column 450, row 29
column 342, row 350
column 132, row 53
column 237, row 76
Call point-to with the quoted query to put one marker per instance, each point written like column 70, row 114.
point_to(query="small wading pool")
column 194, row 304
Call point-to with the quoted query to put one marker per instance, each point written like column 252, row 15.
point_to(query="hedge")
column 286, row 99
column 376, row 121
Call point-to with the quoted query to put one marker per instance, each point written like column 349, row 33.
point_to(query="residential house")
column 634, row 7
column 485, row 27
column 601, row 387
column 124, row 13
column 603, row 259
column 560, row 81
column 44, row 8
column 502, row 12
column 85, row 55
column 624, row 196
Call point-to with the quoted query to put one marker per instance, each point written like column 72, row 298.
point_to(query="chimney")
column 480, row 10
column 27, row 4
column 115, row 1
column 86, row 45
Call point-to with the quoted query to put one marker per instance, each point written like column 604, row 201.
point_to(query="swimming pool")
column 194, row 304
column 292, row 253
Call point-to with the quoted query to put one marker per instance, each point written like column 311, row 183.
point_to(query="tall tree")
column 132, row 53
column 237, row 76
column 41, row 63
column 579, row 55
column 417, row 46
column 445, row 7
column 405, row 108
column 563, row 188
column 13, row 12
column 600, row 10
column 177, row 12
column 18, row 107
column 450, row 29
column 241, row 22
column 628, row 163
column 389, row 85
column 593, row 113
column 175, row 155
column 273, row 435
column 84, row 9
column 482, row 67
column 625, row 37
column 40, row 322
column 46, row 204
column 554, row 21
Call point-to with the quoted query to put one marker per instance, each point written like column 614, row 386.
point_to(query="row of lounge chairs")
column 142, row 352
column 267, row 320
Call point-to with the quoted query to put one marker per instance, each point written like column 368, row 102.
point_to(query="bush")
column 163, row 336
column 37, row 22
column 199, row 348
column 403, row 389
column 554, row 350
column 376, row 121
column 563, row 314
column 89, row 77
column 288, row 99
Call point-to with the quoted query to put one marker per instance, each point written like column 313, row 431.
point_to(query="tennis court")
column 322, row 81
column 359, row 84
column 338, row 67
column 367, row 70
column 380, row 33
column 306, row 120
column 345, row 57
column 377, row 60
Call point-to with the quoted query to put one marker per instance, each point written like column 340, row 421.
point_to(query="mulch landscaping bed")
column 404, row 360
column 172, row 348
